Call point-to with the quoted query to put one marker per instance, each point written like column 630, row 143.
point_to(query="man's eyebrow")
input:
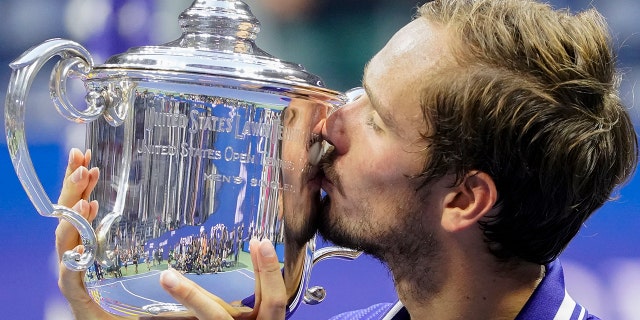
column 385, row 114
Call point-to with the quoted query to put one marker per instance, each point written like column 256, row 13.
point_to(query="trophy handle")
column 25, row 68
column 316, row 294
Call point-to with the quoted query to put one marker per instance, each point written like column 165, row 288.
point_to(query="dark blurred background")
column 331, row 38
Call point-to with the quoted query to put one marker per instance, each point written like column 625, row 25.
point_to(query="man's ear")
column 469, row 201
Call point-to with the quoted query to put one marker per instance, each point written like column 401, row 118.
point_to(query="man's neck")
column 468, row 289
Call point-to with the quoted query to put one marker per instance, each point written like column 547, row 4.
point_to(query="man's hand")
column 78, row 183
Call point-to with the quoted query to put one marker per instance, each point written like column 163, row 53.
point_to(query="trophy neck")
column 218, row 40
column 220, row 25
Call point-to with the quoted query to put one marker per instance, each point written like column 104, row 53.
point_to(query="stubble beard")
column 408, row 247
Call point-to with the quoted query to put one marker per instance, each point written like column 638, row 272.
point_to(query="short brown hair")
column 532, row 100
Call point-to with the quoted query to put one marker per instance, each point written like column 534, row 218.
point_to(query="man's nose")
column 334, row 131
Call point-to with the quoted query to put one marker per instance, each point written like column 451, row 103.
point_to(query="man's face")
column 372, row 203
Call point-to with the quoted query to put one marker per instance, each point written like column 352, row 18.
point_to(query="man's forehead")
column 396, row 75
column 415, row 50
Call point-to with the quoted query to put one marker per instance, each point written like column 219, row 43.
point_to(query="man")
column 486, row 134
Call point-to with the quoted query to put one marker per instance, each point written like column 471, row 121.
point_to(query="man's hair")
column 531, row 98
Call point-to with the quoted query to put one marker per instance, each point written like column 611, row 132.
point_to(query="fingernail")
column 71, row 155
column 79, row 206
column 169, row 279
column 94, row 169
column 76, row 176
column 266, row 249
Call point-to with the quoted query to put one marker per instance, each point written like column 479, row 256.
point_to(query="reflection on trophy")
column 203, row 143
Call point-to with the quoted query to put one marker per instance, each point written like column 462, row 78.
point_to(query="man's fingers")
column 202, row 303
column 70, row 282
column 87, row 158
column 82, row 305
column 67, row 236
column 254, row 247
column 94, row 174
column 271, row 295
column 76, row 159
column 273, row 302
column 93, row 210
column 78, row 180
column 77, row 185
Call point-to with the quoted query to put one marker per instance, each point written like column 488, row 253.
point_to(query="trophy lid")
column 218, row 39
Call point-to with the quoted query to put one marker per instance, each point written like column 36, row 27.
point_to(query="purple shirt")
column 550, row 301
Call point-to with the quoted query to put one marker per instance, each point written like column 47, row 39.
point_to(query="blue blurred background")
column 332, row 38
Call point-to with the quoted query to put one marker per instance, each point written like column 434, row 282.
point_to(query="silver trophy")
column 203, row 143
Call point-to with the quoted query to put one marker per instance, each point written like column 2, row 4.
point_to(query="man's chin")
column 331, row 228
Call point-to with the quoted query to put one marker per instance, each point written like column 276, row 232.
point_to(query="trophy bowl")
column 203, row 143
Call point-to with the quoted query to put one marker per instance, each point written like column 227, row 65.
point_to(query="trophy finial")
column 225, row 25
column 218, row 39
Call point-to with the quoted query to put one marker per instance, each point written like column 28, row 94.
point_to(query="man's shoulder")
column 551, row 300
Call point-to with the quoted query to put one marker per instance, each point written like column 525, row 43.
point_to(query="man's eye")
column 372, row 124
